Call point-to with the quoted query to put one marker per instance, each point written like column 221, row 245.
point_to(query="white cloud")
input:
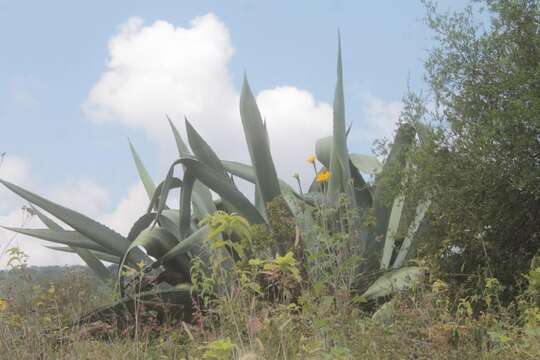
column 17, row 170
column 162, row 69
column 378, row 119
column 129, row 209
column 295, row 120
column 84, row 196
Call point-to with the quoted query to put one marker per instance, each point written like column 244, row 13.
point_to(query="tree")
column 481, row 162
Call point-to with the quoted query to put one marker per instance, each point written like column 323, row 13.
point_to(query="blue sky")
column 55, row 55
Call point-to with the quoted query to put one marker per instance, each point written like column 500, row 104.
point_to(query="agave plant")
column 165, row 240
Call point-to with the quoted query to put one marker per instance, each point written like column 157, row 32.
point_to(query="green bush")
column 481, row 163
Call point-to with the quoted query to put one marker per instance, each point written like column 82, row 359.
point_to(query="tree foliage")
column 481, row 162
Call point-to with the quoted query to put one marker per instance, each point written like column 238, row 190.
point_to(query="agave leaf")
column 168, row 184
column 247, row 172
column 258, row 146
column 381, row 210
column 393, row 224
column 171, row 223
column 393, row 281
column 66, row 237
column 185, row 204
column 173, row 183
column 186, row 246
column 178, row 296
column 149, row 185
column 203, row 203
column 184, row 222
column 368, row 164
column 98, row 233
column 86, row 255
column 323, row 150
column 259, row 203
column 339, row 159
column 222, row 186
column 335, row 183
column 157, row 241
column 98, row 254
column 385, row 314
column 362, row 191
column 138, row 226
column 203, row 152
column 96, row 265
column 50, row 223
column 421, row 210
column 300, row 210
column 225, row 189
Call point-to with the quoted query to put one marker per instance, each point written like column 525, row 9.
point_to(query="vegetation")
column 433, row 258
column 481, row 165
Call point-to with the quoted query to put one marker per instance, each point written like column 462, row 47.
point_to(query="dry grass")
column 328, row 326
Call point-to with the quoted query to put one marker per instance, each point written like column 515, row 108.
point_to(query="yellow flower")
column 323, row 176
column 311, row 159
column 3, row 304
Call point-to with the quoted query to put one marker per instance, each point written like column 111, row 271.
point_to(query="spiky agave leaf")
column 204, row 153
column 98, row 254
column 96, row 232
column 86, row 255
column 147, row 181
column 391, row 231
column 368, row 164
column 191, row 244
column 381, row 209
column 420, row 213
column 258, row 146
column 393, row 281
column 221, row 185
column 339, row 160
column 247, row 172
column 259, row 202
column 203, row 204
column 66, row 237
column 155, row 201
column 179, row 296
column 185, row 203
column 301, row 211
column 362, row 194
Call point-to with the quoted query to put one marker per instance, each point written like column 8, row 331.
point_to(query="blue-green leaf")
column 258, row 146
column 143, row 173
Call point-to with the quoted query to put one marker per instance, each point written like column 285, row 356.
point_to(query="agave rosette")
column 164, row 240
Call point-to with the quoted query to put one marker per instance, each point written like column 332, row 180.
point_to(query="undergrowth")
column 266, row 310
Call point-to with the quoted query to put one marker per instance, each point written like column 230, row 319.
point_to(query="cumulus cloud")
column 378, row 119
column 84, row 196
column 161, row 69
column 294, row 121
column 128, row 210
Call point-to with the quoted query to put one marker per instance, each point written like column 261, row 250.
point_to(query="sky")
column 80, row 78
